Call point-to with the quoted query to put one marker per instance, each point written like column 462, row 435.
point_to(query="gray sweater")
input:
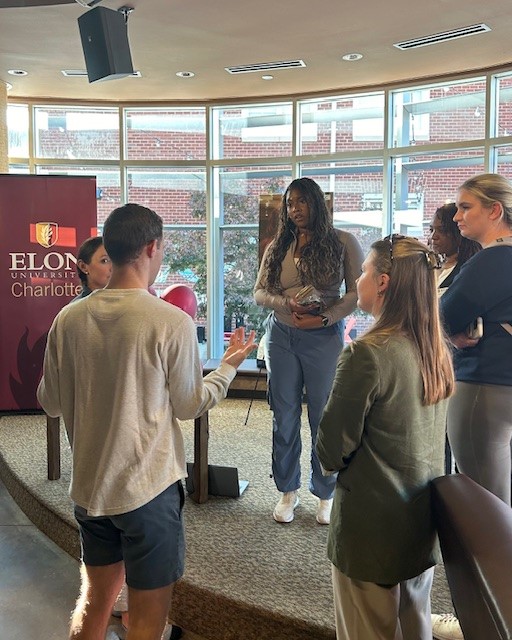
column 122, row 367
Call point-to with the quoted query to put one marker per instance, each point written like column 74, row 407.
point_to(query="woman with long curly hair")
column 447, row 240
column 300, row 279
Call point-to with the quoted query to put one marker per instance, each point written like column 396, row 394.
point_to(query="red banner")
column 43, row 221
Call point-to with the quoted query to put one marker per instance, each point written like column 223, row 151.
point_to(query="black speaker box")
column 104, row 35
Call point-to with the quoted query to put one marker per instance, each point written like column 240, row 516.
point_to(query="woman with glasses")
column 383, row 432
column 300, row 279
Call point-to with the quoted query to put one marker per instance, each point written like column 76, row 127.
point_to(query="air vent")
column 74, row 73
column 266, row 66
column 463, row 32
column 82, row 73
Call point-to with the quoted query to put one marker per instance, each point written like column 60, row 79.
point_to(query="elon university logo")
column 47, row 233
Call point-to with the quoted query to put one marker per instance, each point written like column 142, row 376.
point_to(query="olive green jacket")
column 387, row 447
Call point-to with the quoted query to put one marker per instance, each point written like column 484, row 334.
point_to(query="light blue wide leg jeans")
column 296, row 360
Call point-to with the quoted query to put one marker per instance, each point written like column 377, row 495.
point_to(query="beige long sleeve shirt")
column 338, row 306
column 122, row 367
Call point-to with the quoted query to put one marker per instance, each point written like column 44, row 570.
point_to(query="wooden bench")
column 53, row 447
column 248, row 370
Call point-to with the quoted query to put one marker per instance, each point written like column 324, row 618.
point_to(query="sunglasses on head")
column 434, row 260
column 393, row 237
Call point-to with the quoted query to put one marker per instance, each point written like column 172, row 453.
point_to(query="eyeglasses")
column 433, row 260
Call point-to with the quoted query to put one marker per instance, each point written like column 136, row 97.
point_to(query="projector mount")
column 125, row 10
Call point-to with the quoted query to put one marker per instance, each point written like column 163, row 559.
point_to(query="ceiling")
column 205, row 36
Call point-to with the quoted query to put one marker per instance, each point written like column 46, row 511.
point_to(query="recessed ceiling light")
column 185, row 74
column 267, row 77
column 17, row 72
column 352, row 57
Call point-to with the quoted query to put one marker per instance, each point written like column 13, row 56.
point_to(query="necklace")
column 449, row 262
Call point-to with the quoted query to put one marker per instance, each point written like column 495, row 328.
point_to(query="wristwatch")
column 325, row 321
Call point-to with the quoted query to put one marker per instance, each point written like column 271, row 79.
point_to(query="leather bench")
column 475, row 532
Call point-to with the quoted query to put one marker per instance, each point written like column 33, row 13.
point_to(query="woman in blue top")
column 480, row 412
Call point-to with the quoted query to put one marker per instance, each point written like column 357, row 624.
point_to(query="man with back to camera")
column 122, row 367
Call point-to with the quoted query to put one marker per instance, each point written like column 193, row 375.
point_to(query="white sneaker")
column 446, row 627
column 323, row 513
column 285, row 507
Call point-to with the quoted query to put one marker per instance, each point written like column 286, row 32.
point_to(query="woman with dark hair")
column 93, row 266
column 300, row 278
column 447, row 240
column 383, row 432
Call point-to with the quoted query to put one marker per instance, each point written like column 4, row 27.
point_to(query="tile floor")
column 38, row 581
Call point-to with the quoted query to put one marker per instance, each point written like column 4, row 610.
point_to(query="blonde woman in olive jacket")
column 383, row 430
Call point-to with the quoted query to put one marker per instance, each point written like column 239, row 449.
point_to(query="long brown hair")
column 410, row 307
column 321, row 259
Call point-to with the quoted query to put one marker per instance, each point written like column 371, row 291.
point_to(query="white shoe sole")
column 323, row 522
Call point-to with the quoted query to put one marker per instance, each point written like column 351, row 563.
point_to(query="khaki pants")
column 367, row 611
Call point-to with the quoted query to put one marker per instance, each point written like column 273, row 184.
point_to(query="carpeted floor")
column 247, row 577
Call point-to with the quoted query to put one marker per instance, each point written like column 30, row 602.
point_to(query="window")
column 448, row 112
column 165, row 134
column 17, row 128
column 349, row 123
column 206, row 168
column 252, row 132
column 71, row 133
